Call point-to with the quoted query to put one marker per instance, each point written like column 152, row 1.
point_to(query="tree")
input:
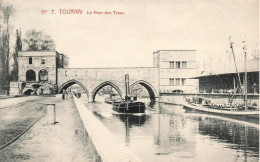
column 65, row 61
column 47, row 43
column 18, row 47
column 6, row 11
column 37, row 41
column 2, row 62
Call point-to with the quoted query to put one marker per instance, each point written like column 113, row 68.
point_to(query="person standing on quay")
column 63, row 94
column 66, row 95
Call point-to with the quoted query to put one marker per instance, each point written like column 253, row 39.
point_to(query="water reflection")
column 173, row 133
column 245, row 137
column 170, row 135
column 170, row 109
column 130, row 120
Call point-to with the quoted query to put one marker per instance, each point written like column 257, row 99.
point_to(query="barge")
column 129, row 107
column 221, row 109
column 130, row 104
column 229, row 108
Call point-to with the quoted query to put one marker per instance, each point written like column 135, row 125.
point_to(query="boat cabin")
column 131, row 98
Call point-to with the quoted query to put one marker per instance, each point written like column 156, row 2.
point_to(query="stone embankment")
column 77, row 135
column 107, row 145
column 64, row 141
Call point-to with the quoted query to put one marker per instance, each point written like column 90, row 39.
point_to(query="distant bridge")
column 93, row 79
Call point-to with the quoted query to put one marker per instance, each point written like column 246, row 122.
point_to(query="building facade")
column 175, row 69
column 39, row 66
column 170, row 73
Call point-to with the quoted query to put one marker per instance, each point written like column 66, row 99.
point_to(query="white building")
column 175, row 67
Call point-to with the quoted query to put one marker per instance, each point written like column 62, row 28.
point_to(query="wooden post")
column 51, row 113
column 245, row 81
column 234, row 83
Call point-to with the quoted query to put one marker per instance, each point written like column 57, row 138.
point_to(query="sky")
column 129, row 40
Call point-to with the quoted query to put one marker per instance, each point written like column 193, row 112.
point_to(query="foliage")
column 3, row 59
column 6, row 12
column 18, row 47
column 65, row 61
column 37, row 41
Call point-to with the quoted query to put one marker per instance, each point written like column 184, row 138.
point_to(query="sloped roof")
column 252, row 66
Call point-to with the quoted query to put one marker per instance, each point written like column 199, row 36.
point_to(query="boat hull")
column 132, row 107
column 219, row 111
column 110, row 101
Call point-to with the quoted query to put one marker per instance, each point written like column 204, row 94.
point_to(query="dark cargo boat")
column 129, row 105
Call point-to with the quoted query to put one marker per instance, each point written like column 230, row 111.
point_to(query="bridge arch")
column 70, row 83
column 28, row 91
column 95, row 91
column 151, row 90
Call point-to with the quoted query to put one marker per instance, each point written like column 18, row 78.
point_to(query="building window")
column 183, row 80
column 172, row 65
column 30, row 75
column 171, row 81
column 178, row 80
column 43, row 61
column 43, row 75
column 178, row 65
column 30, row 60
column 184, row 64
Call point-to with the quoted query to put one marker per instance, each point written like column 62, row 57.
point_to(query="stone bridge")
column 93, row 79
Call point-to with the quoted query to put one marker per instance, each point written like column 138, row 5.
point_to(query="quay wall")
column 178, row 98
column 107, row 146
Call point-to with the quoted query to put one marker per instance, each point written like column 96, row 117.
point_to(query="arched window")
column 30, row 60
column 30, row 75
column 43, row 75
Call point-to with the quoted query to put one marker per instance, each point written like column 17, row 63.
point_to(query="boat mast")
column 245, row 49
column 231, row 46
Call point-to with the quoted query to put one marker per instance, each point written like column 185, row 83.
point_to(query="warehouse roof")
column 252, row 66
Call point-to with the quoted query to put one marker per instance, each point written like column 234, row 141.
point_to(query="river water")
column 174, row 133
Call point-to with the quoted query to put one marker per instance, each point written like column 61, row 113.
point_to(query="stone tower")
column 39, row 67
